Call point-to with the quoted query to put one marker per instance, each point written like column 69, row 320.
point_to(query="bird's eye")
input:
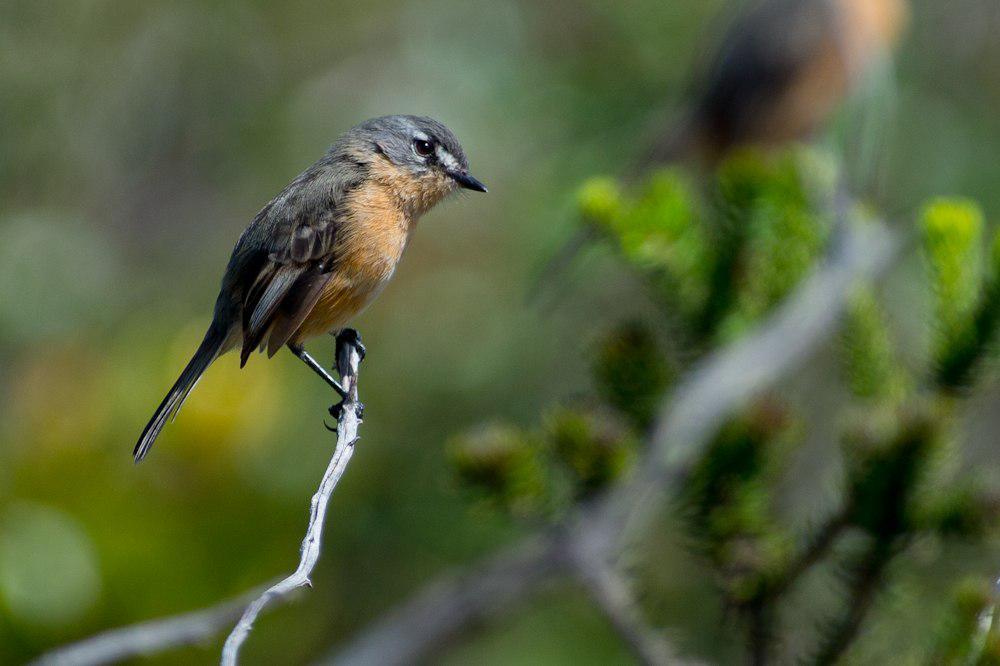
column 423, row 148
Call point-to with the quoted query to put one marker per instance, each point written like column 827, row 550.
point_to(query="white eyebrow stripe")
column 446, row 158
column 420, row 136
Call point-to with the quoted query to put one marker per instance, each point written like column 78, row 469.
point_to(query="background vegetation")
column 138, row 141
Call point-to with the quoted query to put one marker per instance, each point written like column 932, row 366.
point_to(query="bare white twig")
column 348, row 359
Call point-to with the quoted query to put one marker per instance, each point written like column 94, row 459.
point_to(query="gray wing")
column 289, row 283
column 287, row 255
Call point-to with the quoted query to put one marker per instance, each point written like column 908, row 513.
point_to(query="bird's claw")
column 350, row 336
column 336, row 411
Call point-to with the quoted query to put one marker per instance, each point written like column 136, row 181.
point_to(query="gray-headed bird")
column 318, row 253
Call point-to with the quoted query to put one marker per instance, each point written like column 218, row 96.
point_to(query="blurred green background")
column 138, row 139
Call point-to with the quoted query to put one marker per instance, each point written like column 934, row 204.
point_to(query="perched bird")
column 318, row 253
column 781, row 71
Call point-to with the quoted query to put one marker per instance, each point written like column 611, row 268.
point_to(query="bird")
column 780, row 72
column 324, row 248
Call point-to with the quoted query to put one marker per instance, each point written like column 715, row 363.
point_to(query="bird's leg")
column 348, row 336
column 318, row 369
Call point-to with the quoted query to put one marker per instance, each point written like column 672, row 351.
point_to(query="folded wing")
column 289, row 283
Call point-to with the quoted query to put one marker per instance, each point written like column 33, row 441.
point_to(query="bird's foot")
column 337, row 411
column 347, row 336
column 350, row 336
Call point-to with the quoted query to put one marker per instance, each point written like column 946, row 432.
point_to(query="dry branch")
column 348, row 359
column 148, row 638
column 158, row 635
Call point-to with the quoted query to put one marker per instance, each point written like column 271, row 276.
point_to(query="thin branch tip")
column 348, row 360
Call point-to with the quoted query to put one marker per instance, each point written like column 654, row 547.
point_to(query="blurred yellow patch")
column 59, row 399
column 229, row 408
column 599, row 201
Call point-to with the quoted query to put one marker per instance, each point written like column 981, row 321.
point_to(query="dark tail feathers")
column 209, row 349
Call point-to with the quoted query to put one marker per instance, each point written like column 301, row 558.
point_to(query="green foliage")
column 729, row 499
column 600, row 202
column 963, row 356
column 720, row 261
column 952, row 232
column 771, row 235
column 959, row 635
column 873, row 373
column 963, row 511
column 658, row 231
column 952, row 236
column 502, row 464
column 886, row 465
column 541, row 473
column 595, row 448
column 631, row 372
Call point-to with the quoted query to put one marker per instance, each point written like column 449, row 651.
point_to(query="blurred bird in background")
column 780, row 72
column 318, row 253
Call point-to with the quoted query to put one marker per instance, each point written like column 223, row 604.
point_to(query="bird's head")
column 418, row 157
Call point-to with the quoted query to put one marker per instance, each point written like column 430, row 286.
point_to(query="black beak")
column 467, row 181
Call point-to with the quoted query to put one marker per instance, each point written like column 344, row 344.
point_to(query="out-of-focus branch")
column 147, row 638
column 817, row 548
column 157, row 635
column 611, row 593
column 348, row 360
column 444, row 609
column 723, row 382
column 760, row 610
column 729, row 378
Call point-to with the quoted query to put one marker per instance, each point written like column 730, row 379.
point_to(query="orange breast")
column 370, row 243
column 814, row 95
